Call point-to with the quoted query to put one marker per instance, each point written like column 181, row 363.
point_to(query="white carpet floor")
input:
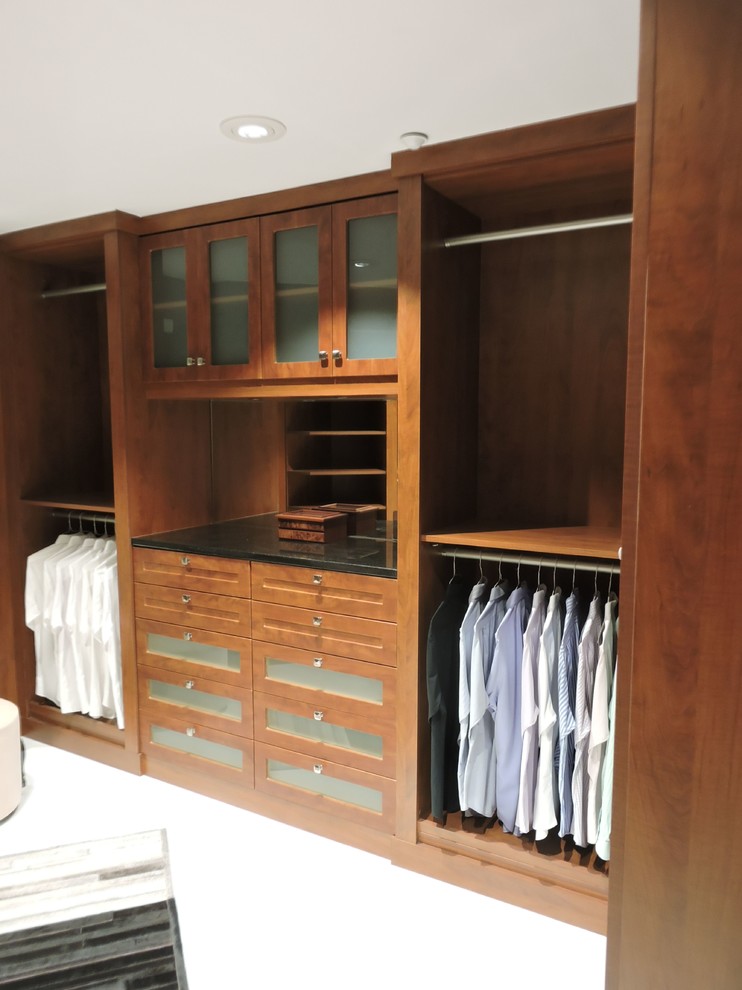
column 260, row 902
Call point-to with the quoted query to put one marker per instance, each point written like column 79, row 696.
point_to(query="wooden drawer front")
column 203, row 702
column 195, row 653
column 193, row 608
column 199, row 748
column 366, row 689
column 325, row 733
column 328, row 787
column 326, row 632
column 328, row 591
column 192, row 572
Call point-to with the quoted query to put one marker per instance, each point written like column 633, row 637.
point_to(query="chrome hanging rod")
column 81, row 516
column 76, row 290
column 529, row 559
column 549, row 228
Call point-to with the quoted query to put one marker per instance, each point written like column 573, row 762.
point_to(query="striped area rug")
column 91, row 916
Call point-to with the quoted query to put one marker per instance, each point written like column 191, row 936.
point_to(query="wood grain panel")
column 247, row 458
column 325, row 632
column 192, row 572
column 332, row 591
column 677, row 921
column 552, row 379
column 217, row 613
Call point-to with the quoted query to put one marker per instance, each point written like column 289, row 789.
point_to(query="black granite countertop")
column 256, row 538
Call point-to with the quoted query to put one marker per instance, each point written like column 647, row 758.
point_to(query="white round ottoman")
column 10, row 758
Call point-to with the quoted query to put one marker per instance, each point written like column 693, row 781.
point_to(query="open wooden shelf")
column 561, row 541
column 82, row 502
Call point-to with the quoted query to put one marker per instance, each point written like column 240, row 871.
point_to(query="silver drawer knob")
column 317, row 579
column 317, row 620
column 318, row 716
column 337, row 355
column 322, row 355
column 190, row 685
column 190, row 731
column 186, row 599
column 185, row 561
column 200, row 362
column 317, row 662
column 190, row 361
column 318, row 768
column 188, row 635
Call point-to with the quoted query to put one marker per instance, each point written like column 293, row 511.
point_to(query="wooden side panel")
column 552, row 379
column 677, row 921
column 248, row 459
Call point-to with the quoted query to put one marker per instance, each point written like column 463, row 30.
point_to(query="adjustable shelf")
column 602, row 543
column 75, row 502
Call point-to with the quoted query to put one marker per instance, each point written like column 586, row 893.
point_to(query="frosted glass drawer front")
column 325, row 786
column 326, row 632
column 330, row 591
column 192, row 572
column 219, row 613
column 199, row 748
column 205, row 702
column 341, row 737
column 194, row 652
column 323, row 679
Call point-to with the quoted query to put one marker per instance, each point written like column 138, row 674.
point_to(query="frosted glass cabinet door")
column 201, row 303
column 169, row 311
column 231, row 255
column 365, row 287
column 297, row 294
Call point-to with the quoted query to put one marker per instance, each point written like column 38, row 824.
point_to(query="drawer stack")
column 324, row 675
column 194, row 662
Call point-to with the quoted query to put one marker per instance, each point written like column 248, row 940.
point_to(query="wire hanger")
column 481, row 572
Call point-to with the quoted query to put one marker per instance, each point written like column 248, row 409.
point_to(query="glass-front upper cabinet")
column 365, row 287
column 201, row 291
column 329, row 304
column 297, row 294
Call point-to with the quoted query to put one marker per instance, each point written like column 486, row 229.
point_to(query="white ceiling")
column 116, row 104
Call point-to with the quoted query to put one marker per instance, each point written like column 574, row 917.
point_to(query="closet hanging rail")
column 530, row 558
column 549, row 228
column 75, row 290
column 78, row 515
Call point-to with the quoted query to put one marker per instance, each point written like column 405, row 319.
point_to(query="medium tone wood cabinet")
column 330, row 291
column 470, row 475
column 201, row 302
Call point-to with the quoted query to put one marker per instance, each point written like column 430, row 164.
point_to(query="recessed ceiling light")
column 251, row 128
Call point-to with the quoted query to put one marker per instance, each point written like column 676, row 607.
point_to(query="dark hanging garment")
column 442, row 667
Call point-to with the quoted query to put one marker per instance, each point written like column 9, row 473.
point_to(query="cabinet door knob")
column 317, row 579
column 190, row 731
column 318, row 716
column 188, row 636
column 200, row 362
column 318, row 768
column 322, row 356
column 337, row 356
column 185, row 561
column 317, row 620
column 186, row 599
column 190, row 362
column 317, row 661
column 190, row 685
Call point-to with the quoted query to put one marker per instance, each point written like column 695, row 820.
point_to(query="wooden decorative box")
column 361, row 518
column 312, row 525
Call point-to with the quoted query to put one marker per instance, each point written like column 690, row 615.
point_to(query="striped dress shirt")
column 587, row 659
column 466, row 636
column 600, row 717
column 567, row 683
column 529, row 711
column 546, row 805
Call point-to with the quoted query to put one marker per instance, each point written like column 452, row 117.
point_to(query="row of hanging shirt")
column 72, row 607
column 521, row 699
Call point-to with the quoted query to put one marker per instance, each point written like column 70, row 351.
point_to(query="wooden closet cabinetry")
column 325, row 684
column 194, row 662
column 201, row 303
column 329, row 291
